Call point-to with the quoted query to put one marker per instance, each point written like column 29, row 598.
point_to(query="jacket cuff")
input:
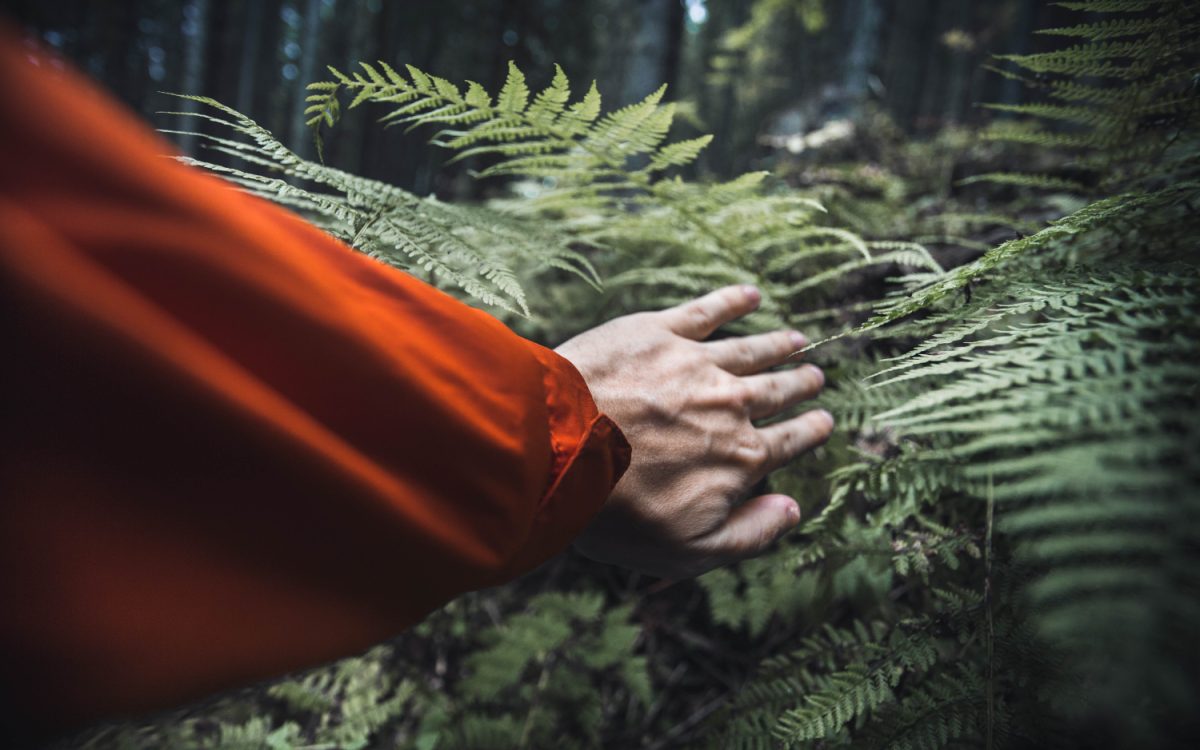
column 589, row 453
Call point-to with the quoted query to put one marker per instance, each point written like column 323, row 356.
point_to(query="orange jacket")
column 230, row 446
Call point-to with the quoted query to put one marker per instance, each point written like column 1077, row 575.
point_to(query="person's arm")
column 230, row 446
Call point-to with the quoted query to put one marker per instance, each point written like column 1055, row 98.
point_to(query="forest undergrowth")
column 999, row 545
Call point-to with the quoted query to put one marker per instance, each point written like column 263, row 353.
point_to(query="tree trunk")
column 647, row 57
column 865, row 16
column 359, row 47
column 195, row 37
column 252, row 32
column 960, row 64
column 673, row 55
column 310, row 51
column 1011, row 90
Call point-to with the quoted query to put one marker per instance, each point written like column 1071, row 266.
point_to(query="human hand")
column 686, row 408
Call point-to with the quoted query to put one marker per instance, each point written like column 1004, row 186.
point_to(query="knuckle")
column 773, row 392
column 699, row 316
column 790, row 443
column 736, row 394
column 751, row 450
column 744, row 354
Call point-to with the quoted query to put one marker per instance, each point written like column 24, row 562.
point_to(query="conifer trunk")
column 310, row 52
column 195, row 36
column 252, row 31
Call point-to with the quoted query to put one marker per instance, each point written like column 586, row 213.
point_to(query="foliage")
column 1054, row 378
column 1121, row 101
column 1001, row 542
column 605, row 181
column 467, row 247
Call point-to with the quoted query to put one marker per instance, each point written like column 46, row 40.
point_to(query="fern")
column 1053, row 379
column 998, row 546
column 609, row 187
column 1149, row 63
column 542, row 136
column 464, row 246
column 853, row 692
column 1054, row 376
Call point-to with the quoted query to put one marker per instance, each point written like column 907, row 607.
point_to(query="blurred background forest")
column 753, row 73
column 1040, row 206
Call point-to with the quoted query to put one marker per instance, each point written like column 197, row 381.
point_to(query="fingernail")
column 829, row 417
column 818, row 373
column 752, row 292
column 799, row 340
column 793, row 513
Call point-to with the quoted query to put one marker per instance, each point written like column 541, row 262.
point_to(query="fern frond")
column 1103, row 212
column 1105, row 30
column 460, row 245
column 858, row 690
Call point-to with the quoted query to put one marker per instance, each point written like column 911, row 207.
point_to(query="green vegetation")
column 1001, row 544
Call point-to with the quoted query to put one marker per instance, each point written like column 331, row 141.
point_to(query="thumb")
column 753, row 526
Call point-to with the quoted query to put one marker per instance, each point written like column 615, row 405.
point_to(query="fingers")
column 788, row 439
column 698, row 318
column 772, row 392
column 745, row 355
column 752, row 527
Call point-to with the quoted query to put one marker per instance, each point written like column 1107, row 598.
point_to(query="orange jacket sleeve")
column 230, row 445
